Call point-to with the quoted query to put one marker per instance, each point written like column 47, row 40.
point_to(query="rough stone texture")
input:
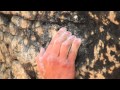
column 22, row 33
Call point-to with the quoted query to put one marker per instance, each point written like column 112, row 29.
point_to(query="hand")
column 58, row 61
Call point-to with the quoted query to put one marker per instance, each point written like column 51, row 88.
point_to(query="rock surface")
column 22, row 33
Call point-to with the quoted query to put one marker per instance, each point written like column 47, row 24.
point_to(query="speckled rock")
column 18, row 71
column 22, row 33
column 20, row 22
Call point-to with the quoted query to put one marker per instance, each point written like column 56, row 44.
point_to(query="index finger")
column 58, row 34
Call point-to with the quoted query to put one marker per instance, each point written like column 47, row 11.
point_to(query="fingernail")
column 78, row 40
column 71, row 37
column 63, row 29
column 68, row 33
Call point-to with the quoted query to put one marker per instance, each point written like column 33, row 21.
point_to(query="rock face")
column 22, row 33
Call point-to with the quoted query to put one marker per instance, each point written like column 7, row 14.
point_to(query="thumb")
column 42, row 51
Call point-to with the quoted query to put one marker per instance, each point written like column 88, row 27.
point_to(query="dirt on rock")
column 22, row 33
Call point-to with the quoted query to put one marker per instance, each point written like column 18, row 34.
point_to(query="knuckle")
column 65, row 44
column 57, row 41
column 50, row 58
column 66, row 65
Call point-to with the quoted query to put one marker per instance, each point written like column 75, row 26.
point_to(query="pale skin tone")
column 58, row 60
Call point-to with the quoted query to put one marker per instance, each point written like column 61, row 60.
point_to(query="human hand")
column 58, row 61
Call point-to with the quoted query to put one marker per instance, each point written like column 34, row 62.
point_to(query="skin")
column 58, row 61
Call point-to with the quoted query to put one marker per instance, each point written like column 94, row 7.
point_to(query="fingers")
column 39, row 59
column 61, row 46
column 65, row 47
column 40, row 66
column 59, row 33
column 57, row 44
column 42, row 51
column 74, row 49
